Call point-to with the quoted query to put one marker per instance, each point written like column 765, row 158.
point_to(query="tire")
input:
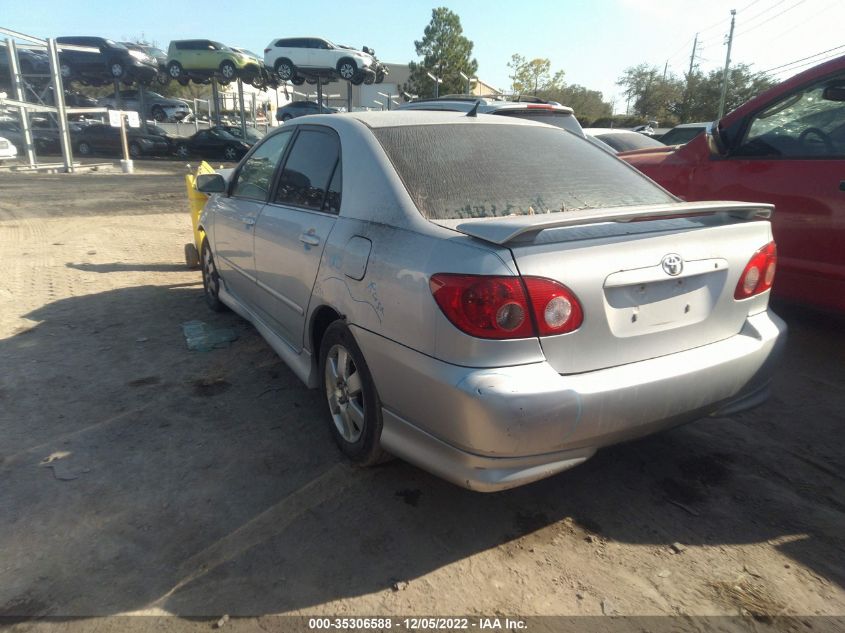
column 134, row 150
column 369, row 78
column 230, row 153
column 358, row 79
column 162, row 78
column 298, row 80
column 159, row 114
column 354, row 407
column 117, row 69
column 182, row 151
column 379, row 76
column 192, row 257
column 174, row 69
column 285, row 70
column 228, row 70
column 84, row 148
column 210, row 279
column 347, row 68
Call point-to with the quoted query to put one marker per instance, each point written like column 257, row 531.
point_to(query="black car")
column 301, row 108
column 157, row 55
column 11, row 131
column 44, row 130
column 106, row 139
column 212, row 143
column 31, row 63
column 112, row 61
column 252, row 135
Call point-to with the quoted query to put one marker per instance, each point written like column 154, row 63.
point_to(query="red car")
column 787, row 147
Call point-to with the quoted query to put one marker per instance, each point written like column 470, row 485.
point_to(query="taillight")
column 556, row 308
column 502, row 307
column 759, row 273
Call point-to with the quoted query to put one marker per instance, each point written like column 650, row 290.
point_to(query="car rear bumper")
column 492, row 429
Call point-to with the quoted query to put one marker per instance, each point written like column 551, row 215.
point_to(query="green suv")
column 200, row 60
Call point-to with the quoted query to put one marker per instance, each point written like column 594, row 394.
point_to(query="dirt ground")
column 138, row 477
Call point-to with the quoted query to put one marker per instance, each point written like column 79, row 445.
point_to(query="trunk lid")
column 620, row 265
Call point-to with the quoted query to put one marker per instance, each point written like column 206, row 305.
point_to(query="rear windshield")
column 476, row 171
column 549, row 117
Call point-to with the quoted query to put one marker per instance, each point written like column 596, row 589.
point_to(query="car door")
column 293, row 228
column 205, row 144
column 792, row 154
column 235, row 216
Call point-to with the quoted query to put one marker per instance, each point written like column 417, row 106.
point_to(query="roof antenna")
column 474, row 111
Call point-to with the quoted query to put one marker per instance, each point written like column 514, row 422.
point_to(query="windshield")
column 473, row 171
column 626, row 141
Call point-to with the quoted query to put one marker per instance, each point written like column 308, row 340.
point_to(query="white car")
column 7, row 149
column 293, row 58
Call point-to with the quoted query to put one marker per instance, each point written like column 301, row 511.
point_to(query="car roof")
column 401, row 118
column 485, row 105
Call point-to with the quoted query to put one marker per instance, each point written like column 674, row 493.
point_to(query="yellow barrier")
column 196, row 202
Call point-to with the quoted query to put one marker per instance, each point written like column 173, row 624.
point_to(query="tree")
column 533, row 76
column 705, row 90
column 589, row 105
column 445, row 53
column 650, row 93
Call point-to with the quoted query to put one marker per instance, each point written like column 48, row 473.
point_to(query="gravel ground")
column 142, row 478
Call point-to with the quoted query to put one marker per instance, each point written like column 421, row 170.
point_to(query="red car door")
column 792, row 154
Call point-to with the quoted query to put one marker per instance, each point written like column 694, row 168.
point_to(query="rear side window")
column 309, row 170
column 476, row 170
column 256, row 175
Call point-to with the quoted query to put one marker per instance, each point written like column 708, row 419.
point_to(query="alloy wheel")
column 347, row 70
column 345, row 393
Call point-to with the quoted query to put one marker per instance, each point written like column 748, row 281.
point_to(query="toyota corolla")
column 489, row 298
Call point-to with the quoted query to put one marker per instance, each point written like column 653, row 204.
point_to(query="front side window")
column 256, row 174
column 469, row 170
column 309, row 170
column 807, row 124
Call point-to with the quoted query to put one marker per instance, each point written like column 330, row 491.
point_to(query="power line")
column 776, row 15
column 813, row 16
column 805, row 64
column 835, row 48
column 764, row 12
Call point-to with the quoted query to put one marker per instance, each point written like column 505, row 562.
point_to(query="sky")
column 591, row 41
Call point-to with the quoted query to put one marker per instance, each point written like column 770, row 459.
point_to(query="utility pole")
column 687, row 90
column 727, row 67
column 692, row 58
column 665, row 68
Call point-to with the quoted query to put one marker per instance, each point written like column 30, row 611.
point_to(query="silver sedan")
column 489, row 298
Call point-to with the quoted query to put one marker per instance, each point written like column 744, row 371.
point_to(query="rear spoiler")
column 506, row 229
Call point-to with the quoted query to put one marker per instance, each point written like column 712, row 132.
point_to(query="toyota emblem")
column 672, row 264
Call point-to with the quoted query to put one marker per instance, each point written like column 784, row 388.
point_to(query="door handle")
column 310, row 239
column 248, row 221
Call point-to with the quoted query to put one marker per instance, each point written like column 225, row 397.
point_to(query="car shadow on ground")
column 120, row 267
column 138, row 474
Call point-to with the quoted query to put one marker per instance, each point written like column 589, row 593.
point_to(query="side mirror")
column 834, row 93
column 210, row 183
column 715, row 142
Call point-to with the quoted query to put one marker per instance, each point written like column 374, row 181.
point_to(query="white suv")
column 294, row 58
